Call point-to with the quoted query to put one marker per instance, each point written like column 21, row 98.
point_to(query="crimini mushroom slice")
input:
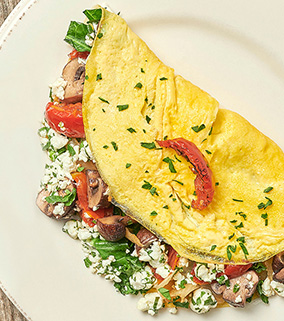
column 48, row 209
column 112, row 228
column 146, row 237
column 74, row 74
column 278, row 267
column 239, row 290
column 96, row 189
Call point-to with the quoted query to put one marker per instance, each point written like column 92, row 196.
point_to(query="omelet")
column 132, row 101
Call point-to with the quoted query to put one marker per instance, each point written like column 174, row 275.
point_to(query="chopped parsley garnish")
column 86, row 77
column 149, row 186
column 100, row 35
column 68, row 199
column 231, row 236
column 236, row 288
column 153, row 213
column 163, row 78
column 103, row 110
column 231, row 249
column 105, row 146
column 194, row 193
column 268, row 189
column 210, row 132
column 87, row 262
column 144, row 131
column 153, row 191
column 258, row 267
column 153, row 107
column 131, row 130
column 148, row 145
column 264, row 216
column 181, row 304
column 174, row 180
column 244, row 216
column 208, row 151
column 174, row 199
column 127, row 165
column 237, row 200
column 146, row 99
column 171, row 165
column 263, row 297
column 197, row 128
column 233, row 221
column 148, row 119
column 166, row 207
column 138, row 85
column 217, row 184
column 177, row 159
column 213, row 247
column 264, row 206
column 122, row 107
column 94, row 129
column 203, row 140
column 114, row 145
column 99, row 77
column 240, row 225
column 165, row 137
column 103, row 100
column 244, row 249
column 142, row 70
column 165, row 293
column 241, row 239
column 71, row 150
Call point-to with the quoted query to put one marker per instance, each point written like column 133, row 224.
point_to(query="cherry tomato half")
column 66, row 119
column 233, row 271
column 76, row 54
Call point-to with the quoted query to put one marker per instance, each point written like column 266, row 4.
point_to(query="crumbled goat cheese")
column 154, row 254
column 82, row 61
column 89, row 39
column 267, row 288
column 71, row 228
column 59, row 209
column 142, row 280
column 58, row 88
column 238, row 299
column 181, row 280
column 173, row 310
column 202, row 301
column 151, row 302
column 163, row 270
column 278, row 287
column 58, row 141
column 208, row 272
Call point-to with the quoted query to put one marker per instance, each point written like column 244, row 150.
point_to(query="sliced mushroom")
column 278, row 267
column 111, row 227
column 96, row 189
column 74, row 74
column 146, row 237
column 240, row 289
column 48, row 209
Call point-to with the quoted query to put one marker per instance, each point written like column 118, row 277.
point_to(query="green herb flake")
column 177, row 159
column 181, row 304
column 105, row 146
column 71, row 150
column 241, row 239
column 166, row 207
column 99, row 77
column 86, row 77
column 127, row 165
column 174, row 180
column 100, row 35
column 208, row 151
column 233, row 221
column 153, row 191
column 269, row 202
column 103, row 100
column 231, row 236
column 153, row 107
column 264, row 216
column 80, row 169
column 153, row 213
column 236, row 288
column 50, row 95
column 268, row 189
column 244, row 216
column 197, row 128
column 131, row 130
column 263, row 297
column 94, row 129
column 213, row 247
column 122, row 107
column 244, row 249
column 210, row 132
column 165, row 293
column 163, row 78
column 237, row 200
column 114, row 145
column 87, row 262
column 68, row 199
column 147, row 185
column 171, row 165
column 138, row 85
column 240, row 225
column 142, row 70
column 259, row 267
column 148, row 119
column 148, row 145
column 217, row 184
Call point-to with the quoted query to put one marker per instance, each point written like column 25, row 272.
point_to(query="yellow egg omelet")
column 138, row 100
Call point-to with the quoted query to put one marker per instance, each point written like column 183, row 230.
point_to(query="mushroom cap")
column 111, row 227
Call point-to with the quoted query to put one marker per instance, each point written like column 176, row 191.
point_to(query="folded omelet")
column 132, row 100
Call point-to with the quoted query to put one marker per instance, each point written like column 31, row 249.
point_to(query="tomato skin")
column 70, row 115
column 87, row 214
column 204, row 182
column 173, row 257
column 76, row 54
column 233, row 271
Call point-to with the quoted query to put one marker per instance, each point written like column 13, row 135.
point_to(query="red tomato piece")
column 233, row 271
column 203, row 183
column 76, row 54
column 173, row 257
column 69, row 115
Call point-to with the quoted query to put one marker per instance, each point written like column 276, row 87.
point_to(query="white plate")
column 232, row 49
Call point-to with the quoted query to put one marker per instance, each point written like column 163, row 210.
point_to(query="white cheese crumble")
column 59, row 209
column 238, row 299
column 278, row 288
column 151, row 302
column 154, row 254
column 181, row 280
column 208, row 272
column 202, row 301
column 58, row 87
column 142, row 280
column 267, row 288
column 71, row 228
column 163, row 270
column 89, row 39
column 173, row 310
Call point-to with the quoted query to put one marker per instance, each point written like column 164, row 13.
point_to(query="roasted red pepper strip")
column 81, row 186
column 203, row 183
column 173, row 258
column 70, row 115
column 233, row 271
